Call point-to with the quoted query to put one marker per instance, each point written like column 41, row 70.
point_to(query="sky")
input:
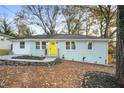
column 10, row 10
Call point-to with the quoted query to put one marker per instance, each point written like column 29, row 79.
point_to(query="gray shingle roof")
column 63, row 36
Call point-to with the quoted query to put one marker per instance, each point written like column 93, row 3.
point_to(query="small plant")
column 4, row 52
column 52, row 62
column 59, row 60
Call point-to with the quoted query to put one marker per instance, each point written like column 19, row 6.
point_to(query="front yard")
column 67, row 74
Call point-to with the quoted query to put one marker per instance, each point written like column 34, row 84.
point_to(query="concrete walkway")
column 9, row 58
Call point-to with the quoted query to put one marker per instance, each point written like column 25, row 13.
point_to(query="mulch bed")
column 29, row 57
column 99, row 80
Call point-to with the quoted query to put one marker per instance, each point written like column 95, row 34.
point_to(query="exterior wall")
column 98, row 54
column 36, row 52
column 18, row 50
column 30, row 49
column 5, row 44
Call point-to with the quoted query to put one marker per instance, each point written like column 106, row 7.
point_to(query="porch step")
column 49, row 56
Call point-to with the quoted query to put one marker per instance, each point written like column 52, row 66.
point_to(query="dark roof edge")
column 1, row 34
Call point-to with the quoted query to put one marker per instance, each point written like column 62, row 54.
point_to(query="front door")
column 52, row 48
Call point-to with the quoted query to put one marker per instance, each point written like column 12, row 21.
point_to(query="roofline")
column 1, row 34
column 60, row 39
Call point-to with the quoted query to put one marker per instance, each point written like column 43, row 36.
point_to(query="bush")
column 59, row 60
column 4, row 52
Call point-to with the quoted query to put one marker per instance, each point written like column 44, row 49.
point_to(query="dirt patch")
column 67, row 74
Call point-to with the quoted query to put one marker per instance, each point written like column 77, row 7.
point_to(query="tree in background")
column 22, row 25
column 106, row 23
column 6, row 26
column 106, row 19
column 90, row 20
column 72, row 18
column 45, row 17
column 120, row 45
column 77, row 19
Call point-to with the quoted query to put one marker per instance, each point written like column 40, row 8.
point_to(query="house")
column 4, row 41
column 5, row 44
column 69, row 47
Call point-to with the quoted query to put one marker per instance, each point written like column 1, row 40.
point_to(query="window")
column 37, row 45
column 67, row 45
column 72, row 45
column 43, row 45
column 90, row 45
column 22, row 44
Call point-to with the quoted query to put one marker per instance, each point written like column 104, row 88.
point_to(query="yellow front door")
column 52, row 48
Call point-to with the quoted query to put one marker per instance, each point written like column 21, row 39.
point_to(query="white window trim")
column 66, row 45
column 92, row 46
column 20, row 45
column 70, row 42
column 74, row 44
column 38, row 45
column 42, row 44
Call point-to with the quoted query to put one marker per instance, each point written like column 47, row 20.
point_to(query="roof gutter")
column 60, row 39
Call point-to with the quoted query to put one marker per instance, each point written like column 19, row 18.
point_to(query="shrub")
column 59, row 60
column 4, row 52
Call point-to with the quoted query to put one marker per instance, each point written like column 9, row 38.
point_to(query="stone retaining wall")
column 20, row 63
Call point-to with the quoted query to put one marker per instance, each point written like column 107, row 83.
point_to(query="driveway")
column 7, row 57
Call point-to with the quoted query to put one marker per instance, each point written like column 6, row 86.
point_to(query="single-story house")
column 69, row 47
column 5, row 43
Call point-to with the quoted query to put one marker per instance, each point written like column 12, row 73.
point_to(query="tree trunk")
column 106, row 29
column 120, row 46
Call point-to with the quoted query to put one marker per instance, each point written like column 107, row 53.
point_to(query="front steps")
column 51, row 56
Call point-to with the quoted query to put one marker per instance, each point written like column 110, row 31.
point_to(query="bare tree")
column 21, row 22
column 79, row 20
column 44, row 16
column 108, row 14
column 73, row 16
column 105, row 16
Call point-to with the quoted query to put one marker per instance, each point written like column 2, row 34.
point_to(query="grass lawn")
column 66, row 74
